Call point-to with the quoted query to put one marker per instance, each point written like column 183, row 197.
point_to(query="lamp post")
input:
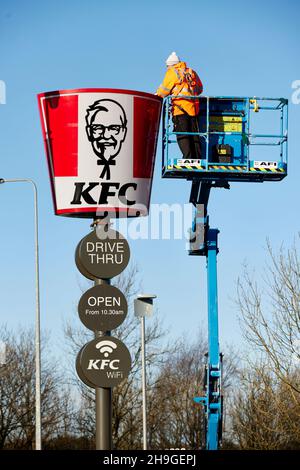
column 143, row 307
column 38, row 433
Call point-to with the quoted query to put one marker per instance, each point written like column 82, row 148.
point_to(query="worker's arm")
column 199, row 85
column 166, row 87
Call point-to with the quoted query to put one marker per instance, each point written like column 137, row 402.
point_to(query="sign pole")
column 144, row 383
column 105, row 361
column 122, row 187
column 103, row 402
column 143, row 307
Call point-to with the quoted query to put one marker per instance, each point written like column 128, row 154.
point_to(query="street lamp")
column 38, row 433
column 143, row 307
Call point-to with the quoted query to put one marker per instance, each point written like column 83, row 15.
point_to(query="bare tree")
column 174, row 377
column 266, row 410
column 264, row 414
column 270, row 312
column 17, row 398
column 127, row 414
column 175, row 419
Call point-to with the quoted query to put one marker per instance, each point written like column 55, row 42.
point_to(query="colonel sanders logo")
column 106, row 128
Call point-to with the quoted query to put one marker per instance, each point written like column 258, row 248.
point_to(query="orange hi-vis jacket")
column 181, row 80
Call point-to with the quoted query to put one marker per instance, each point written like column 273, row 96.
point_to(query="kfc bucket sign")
column 100, row 146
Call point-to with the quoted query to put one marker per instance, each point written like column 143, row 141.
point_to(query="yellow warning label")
column 226, row 118
column 268, row 170
column 226, row 124
column 223, row 168
column 225, row 127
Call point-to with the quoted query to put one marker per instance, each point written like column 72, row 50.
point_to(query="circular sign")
column 102, row 308
column 102, row 254
column 79, row 371
column 105, row 362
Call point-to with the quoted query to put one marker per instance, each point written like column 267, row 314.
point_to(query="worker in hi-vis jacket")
column 182, row 80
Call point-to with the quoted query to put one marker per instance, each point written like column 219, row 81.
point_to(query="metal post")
column 213, row 372
column 144, row 390
column 143, row 307
column 38, row 427
column 103, row 403
column 213, row 327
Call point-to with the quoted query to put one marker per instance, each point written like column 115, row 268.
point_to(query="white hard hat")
column 172, row 59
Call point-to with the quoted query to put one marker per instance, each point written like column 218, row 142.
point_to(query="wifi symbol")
column 106, row 347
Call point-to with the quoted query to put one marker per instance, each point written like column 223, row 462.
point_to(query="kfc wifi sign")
column 100, row 146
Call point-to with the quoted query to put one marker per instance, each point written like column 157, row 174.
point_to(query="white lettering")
column 92, row 301
column 114, row 375
column 89, row 246
column 93, row 364
column 118, row 259
column 109, row 257
column 2, row 92
column 106, row 258
column 261, row 164
column 104, row 363
column 120, row 247
column 115, row 361
column 296, row 94
column 104, row 248
column 166, row 212
column 107, row 301
column 99, row 246
column 92, row 257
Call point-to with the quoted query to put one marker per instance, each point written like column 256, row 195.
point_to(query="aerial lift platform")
column 233, row 149
column 228, row 142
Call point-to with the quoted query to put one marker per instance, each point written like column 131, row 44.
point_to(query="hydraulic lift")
column 204, row 242
column 226, row 136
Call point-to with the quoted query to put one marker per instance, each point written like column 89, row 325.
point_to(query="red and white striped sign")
column 100, row 146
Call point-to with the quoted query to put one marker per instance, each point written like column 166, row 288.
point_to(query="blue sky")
column 238, row 49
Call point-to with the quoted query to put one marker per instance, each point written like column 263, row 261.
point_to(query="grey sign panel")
column 143, row 307
column 102, row 254
column 105, row 362
column 102, row 308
